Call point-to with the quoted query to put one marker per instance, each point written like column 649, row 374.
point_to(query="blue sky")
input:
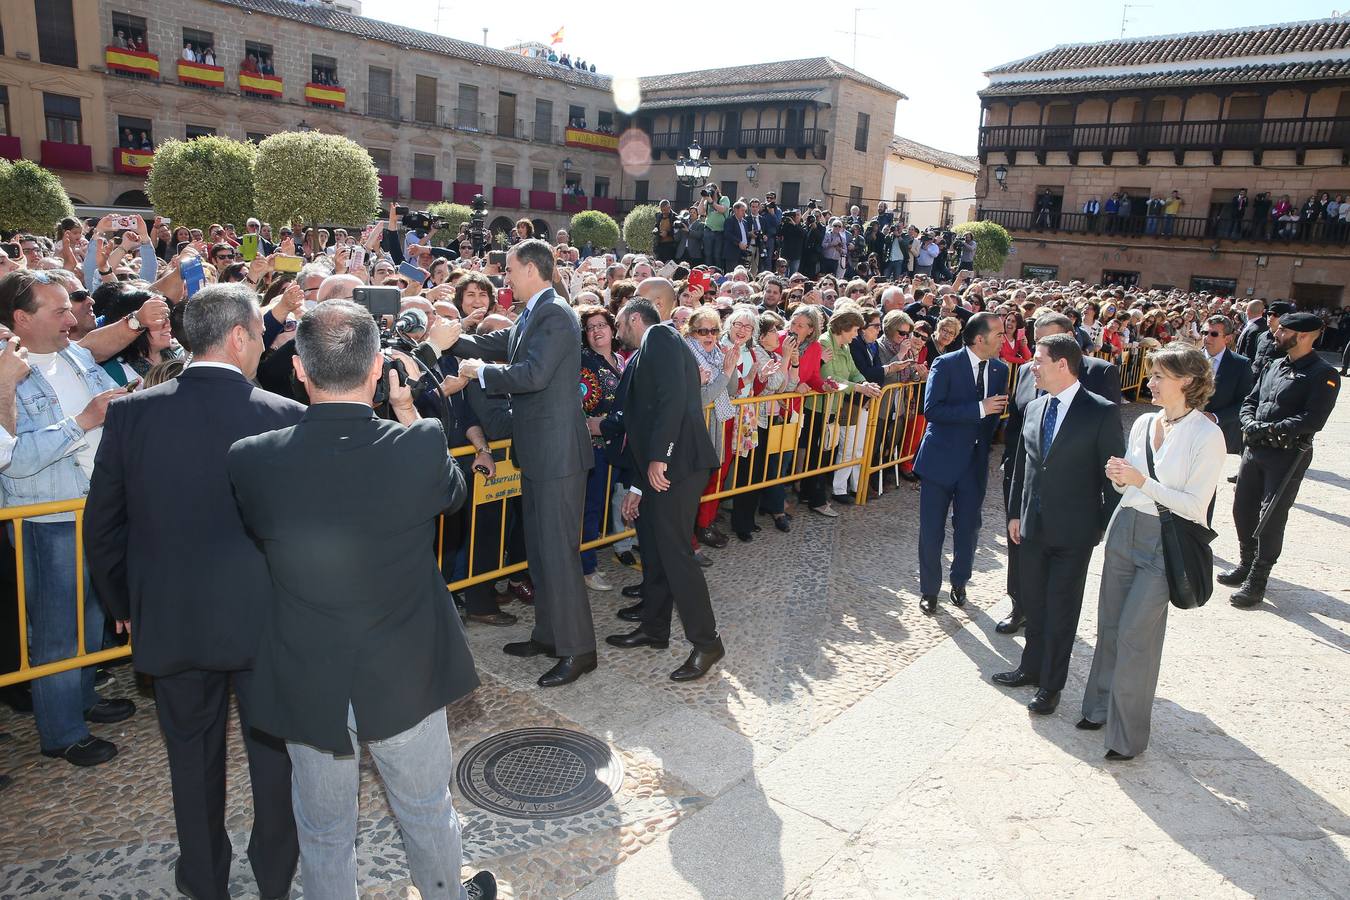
column 934, row 53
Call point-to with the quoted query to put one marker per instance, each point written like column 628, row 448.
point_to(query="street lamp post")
column 694, row 169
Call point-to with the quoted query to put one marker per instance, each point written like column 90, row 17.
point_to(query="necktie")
column 1048, row 426
column 520, row 323
column 979, row 378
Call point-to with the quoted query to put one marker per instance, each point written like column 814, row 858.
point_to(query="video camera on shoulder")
column 419, row 220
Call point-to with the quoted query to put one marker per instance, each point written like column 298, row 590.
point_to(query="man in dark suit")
column 1058, row 508
column 170, row 558
column 1233, row 380
column 362, row 643
column 1252, row 330
column 539, row 366
column 963, row 400
column 736, row 233
column 670, row 453
column 1099, row 376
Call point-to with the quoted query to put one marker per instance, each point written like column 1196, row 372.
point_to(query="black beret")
column 1279, row 308
column 1300, row 321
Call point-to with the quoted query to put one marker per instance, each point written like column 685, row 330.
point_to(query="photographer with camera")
column 666, row 232
column 713, row 206
column 354, row 652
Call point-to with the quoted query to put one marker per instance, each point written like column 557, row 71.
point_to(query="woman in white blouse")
column 1188, row 457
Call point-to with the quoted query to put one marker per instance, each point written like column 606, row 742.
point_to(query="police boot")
column 1238, row 575
column 1253, row 590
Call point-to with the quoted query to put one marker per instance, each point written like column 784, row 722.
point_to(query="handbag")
column 1188, row 558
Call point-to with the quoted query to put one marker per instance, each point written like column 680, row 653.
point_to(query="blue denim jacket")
column 43, row 467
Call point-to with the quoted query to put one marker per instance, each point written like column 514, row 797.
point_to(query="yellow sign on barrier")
column 505, row 483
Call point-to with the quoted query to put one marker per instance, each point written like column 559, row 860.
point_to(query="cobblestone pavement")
column 848, row 746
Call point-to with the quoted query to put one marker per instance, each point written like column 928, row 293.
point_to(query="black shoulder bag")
column 1188, row 557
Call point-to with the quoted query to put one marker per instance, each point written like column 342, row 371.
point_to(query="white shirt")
column 975, row 371
column 212, row 364
column 7, row 442
column 74, row 396
column 529, row 308
column 1065, row 397
column 1215, row 360
column 1189, row 465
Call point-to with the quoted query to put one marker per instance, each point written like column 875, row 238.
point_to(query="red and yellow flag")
column 557, row 37
column 267, row 85
column 134, row 162
column 134, row 61
column 201, row 74
column 326, row 94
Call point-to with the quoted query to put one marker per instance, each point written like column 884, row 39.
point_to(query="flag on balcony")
column 557, row 37
column 591, row 140
column 134, row 61
column 267, row 85
column 326, row 94
column 201, row 74
column 134, row 162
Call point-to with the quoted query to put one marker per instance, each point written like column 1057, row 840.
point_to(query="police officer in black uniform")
column 1267, row 349
column 1290, row 403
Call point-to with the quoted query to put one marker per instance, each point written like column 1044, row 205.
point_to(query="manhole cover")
column 539, row 773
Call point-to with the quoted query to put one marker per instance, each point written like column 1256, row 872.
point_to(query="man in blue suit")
column 965, row 396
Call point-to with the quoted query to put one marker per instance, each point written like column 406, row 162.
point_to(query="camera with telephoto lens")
column 478, row 230
column 420, row 220
column 406, row 334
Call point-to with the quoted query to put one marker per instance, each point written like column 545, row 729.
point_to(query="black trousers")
column 671, row 577
column 1259, row 476
column 193, row 707
column 1051, row 599
column 1014, row 586
column 478, row 598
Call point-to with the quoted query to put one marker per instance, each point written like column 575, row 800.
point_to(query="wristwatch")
column 134, row 322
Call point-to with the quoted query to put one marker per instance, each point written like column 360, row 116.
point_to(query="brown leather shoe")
column 521, row 590
column 499, row 619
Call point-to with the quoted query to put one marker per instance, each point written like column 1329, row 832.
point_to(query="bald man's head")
column 338, row 287
column 661, row 293
column 494, row 322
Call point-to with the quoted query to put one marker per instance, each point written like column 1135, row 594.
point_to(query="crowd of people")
column 631, row 386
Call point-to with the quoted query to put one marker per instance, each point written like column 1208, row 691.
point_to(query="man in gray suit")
column 538, row 363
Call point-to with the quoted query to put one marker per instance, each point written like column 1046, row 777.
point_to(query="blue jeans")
column 59, row 701
column 416, row 767
column 597, row 488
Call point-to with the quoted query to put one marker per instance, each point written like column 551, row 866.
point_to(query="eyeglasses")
column 906, row 333
column 703, row 332
column 597, row 327
column 225, row 256
column 872, row 325
column 1215, row 334
column 79, row 296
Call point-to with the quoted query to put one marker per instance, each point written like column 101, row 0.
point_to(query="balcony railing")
column 383, row 106
column 741, row 139
column 1331, row 132
column 1213, row 228
column 510, row 128
column 424, row 114
column 467, row 120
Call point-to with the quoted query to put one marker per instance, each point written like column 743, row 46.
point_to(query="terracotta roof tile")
column 762, row 73
column 1261, row 40
column 1310, row 71
column 701, row 99
column 933, row 156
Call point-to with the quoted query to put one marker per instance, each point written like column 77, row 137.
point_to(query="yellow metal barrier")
column 17, row 515
column 893, row 437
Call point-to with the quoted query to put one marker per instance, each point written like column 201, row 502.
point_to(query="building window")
column 729, row 190
column 1117, row 278
column 641, row 190
column 63, row 118
column 323, row 70
column 860, row 136
column 196, row 131
column 539, row 180
column 506, row 115
column 198, row 42
column 134, row 133
column 506, row 175
column 466, row 170
column 946, row 212
column 543, row 120
column 255, row 137
column 380, row 99
column 4, row 110
column 128, row 32
column 684, row 196
column 789, row 195
column 56, row 33
column 466, row 114
column 901, row 209
column 855, row 199
column 1218, row 287
column 257, row 58
column 576, row 116
column 424, row 100
column 424, row 166
column 601, row 187
column 381, row 158
column 1044, row 273
column 604, row 122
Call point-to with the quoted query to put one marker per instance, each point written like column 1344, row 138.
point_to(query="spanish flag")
column 200, row 73
column 134, row 162
column 133, row 61
column 557, row 37
column 267, row 85
column 326, row 95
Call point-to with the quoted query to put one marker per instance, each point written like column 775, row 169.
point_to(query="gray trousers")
column 562, row 609
column 1131, row 623
column 416, row 766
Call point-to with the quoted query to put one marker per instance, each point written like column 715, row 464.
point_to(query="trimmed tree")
column 992, row 243
column 204, row 181
column 594, row 228
column 454, row 214
column 637, row 227
column 316, row 179
column 31, row 198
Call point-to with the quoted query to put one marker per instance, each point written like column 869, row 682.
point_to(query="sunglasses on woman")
column 703, row 332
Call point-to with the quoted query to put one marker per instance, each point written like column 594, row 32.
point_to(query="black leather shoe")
column 1232, row 479
column 106, row 712
column 633, row 591
column 744, row 537
column 959, row 596
column 699, row 662
column 781, row 522
column 928, row 603
column 482, row 886
column 1117, row 757
column 568, row 669
column 528, row 648
column 17, row 697
column 1015, row 678
column 632, row 613
column 711, row 537
column 1086, row 724
column 842, row 499
column 1044, row 703
column 1235, row 577
column 1012, row 624
column 91, row 751
column 635, row 638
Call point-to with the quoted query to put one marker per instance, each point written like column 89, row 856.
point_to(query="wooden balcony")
column 743, row 140
column 1213, row 135
column 1027, row 222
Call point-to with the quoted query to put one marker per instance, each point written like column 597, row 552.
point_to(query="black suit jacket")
column 1065, row 499
column 165, row 543
column 1232, row 383
column 345, row 506
column 1099, row 376
column 1247, row 338
column 663, row 409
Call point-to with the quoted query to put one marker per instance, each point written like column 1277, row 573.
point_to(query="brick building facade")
column 1208, row 115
